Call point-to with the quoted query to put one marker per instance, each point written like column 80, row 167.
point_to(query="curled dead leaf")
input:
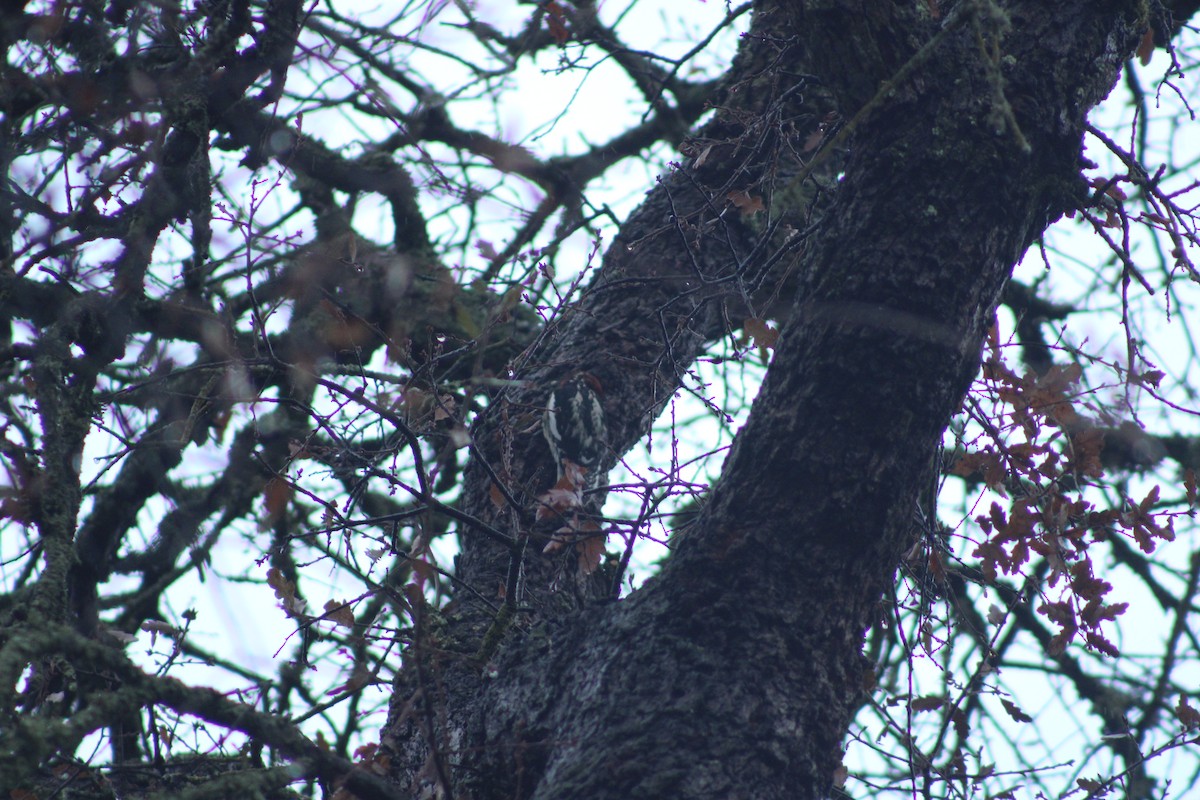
column 745, row 202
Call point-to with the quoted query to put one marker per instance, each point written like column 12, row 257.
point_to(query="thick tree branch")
column 818, row 493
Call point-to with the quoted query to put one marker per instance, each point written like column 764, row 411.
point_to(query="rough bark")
column 735, row 672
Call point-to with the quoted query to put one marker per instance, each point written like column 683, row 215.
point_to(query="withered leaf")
column 1014, row 711
column 745, row 202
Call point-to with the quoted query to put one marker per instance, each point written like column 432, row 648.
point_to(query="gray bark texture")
column 736, row 671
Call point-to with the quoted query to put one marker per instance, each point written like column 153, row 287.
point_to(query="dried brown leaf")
column 276, row 496
column 1145, row 48
column 1014, row 711
column 745, row 202
column 339, row 614
column 1187, row 715
column 590, row 552
column 762, row 333
column 927, row 703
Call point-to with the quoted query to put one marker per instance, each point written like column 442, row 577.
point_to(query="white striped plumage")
column 574, row 426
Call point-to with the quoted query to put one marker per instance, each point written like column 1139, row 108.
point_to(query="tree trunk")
column 735, row 673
